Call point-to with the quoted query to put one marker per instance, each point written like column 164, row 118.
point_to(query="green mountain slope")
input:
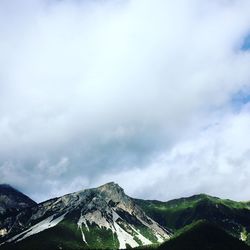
column 204, row 236
column 232, row 216
column 201, row 235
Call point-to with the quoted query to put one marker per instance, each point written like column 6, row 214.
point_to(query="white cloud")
column 111, row 85
column 214, row 161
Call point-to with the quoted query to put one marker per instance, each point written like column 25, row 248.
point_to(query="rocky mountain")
column 106, row 218
column 11, row 199
column 103, row 217
column 11, row 203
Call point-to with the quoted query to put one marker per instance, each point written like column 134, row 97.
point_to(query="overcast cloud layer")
column 152, row 94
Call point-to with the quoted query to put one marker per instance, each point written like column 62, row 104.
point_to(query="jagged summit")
column 110, row 186
column 112, row 191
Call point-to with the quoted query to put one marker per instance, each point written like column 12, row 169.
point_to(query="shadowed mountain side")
column 232, row 216
column 204, row 236
column 12, row 202
column 201, row 235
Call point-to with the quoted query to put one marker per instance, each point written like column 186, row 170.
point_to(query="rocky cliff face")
column 12, row 202
column 103, row 216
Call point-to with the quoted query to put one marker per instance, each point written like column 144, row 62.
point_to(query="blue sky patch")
column 240, row 99
column 246, row 43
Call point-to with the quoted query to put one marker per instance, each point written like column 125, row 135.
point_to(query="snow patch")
column 123, row 237
column 39, row 227
column 83, row 236
column 79, row 224
column 97, row 218
column 160, row 239
column 3, row 232
column 81, row 221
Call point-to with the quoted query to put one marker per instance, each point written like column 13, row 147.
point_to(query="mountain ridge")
column 106, row 218
column 105, row 210
column 232, row 216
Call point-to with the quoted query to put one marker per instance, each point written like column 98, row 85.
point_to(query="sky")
column 151, row 94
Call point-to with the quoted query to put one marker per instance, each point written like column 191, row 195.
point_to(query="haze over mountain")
column 151, row 91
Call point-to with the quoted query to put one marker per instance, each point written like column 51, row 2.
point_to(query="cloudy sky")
column 151, row 94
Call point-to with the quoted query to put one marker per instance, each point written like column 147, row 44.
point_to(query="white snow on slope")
column 123, row 237
column 39, row 227
column 81, row 221
column 83, row 236
column 160, row 238
column 94, row 217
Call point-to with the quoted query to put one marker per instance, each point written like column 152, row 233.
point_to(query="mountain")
column 203, row 235
column 233, row 217
column 106, row 218
column 103, row 217
column 200, row 235
column 11, row 199
column 11, row 203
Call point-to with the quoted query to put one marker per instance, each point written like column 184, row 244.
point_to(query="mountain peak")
column 112, row 191
column 5, row 186
column 99, row 217
column 12, row 193
column 12, row 201
column 110, row 186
